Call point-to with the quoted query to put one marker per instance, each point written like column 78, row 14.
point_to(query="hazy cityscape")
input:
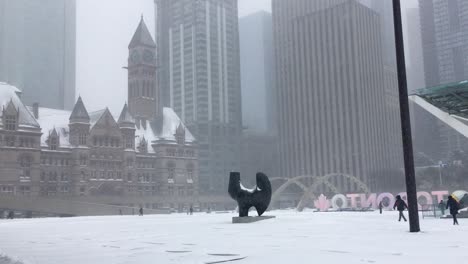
column 118, row 115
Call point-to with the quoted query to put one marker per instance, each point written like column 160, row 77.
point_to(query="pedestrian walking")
column 454, row 207
column 442, row 206
column 400, row 205
column 380, row 207
column 191, row 210
column 141, row 211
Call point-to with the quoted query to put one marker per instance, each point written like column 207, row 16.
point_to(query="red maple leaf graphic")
column 322, row 203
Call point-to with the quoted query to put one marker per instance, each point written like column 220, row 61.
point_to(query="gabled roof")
column 54, row 132
column 53, row 119
column 105, row 120
column 10, row 108
column 9, row 94
column 180, row 129
column 79, row 113
column 125, row 117
column 142, row 36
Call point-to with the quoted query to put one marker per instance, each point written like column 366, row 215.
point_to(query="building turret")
column 143, row 94
column 127, row 127
column 79, row 124
column 79, row 138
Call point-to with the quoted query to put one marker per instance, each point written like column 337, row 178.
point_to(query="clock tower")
column 143, row 93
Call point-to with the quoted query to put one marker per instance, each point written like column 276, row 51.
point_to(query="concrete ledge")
column 250, row 219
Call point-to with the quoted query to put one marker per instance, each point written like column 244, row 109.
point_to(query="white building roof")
column 10, row 93
column 59, row 119
column 54, row 118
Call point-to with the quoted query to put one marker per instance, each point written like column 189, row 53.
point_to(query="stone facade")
column 143, row 157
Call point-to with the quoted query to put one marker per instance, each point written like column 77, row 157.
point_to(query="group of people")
column 451, row 204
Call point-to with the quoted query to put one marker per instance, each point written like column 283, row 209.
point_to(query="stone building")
column 145, row 156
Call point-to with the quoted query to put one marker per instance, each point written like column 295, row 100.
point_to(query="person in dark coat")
column 400, row 205
column 141, row 211
column 11, row 215
column 191, row 210
column 380, row 207
column 442, row 206
column 454, row 206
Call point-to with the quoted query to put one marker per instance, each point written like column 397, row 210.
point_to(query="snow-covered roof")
column 170, row 124
column 50, row 119
column 54, row 118
column 149, row 132
column 10, row 93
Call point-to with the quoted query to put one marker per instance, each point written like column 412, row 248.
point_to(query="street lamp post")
column 440, row 172
column 405, row 121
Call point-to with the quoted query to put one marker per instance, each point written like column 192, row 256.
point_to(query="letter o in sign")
column 389, row 196
column 344, row 201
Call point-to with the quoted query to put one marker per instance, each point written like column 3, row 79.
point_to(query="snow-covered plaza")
column 291, row 237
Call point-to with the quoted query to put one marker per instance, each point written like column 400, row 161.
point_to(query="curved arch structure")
column 289, row 182
column 317, row 181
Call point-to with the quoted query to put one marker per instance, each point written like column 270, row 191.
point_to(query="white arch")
column 309, row 191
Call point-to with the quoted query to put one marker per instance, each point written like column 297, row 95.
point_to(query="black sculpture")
column 259, row 197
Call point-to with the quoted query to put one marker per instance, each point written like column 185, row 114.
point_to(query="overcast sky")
column 104, row 29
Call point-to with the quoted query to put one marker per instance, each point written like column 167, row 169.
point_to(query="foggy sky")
column 104, row 29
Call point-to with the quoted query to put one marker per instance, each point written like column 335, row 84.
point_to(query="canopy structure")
column 451, row 98
column 449, row 103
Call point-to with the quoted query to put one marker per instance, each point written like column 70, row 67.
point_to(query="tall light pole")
column 405, row 121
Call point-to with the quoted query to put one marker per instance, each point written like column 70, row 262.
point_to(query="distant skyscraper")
column 198, row 54
column 414, row 49
column 257, row 66
column 444, row 33
column 37, row 50
column 444, row 30
column 332, row 111
column 385, row 10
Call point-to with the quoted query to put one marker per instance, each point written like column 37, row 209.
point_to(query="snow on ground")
column 291, row 237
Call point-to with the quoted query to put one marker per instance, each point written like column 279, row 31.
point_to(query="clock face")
column 148, row 56
column 134, row 57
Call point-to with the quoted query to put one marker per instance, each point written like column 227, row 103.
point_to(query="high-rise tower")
column 198, row 60
column 38, row 50
column 332, row 113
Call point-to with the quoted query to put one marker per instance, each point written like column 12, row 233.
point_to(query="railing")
column 430, row 210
